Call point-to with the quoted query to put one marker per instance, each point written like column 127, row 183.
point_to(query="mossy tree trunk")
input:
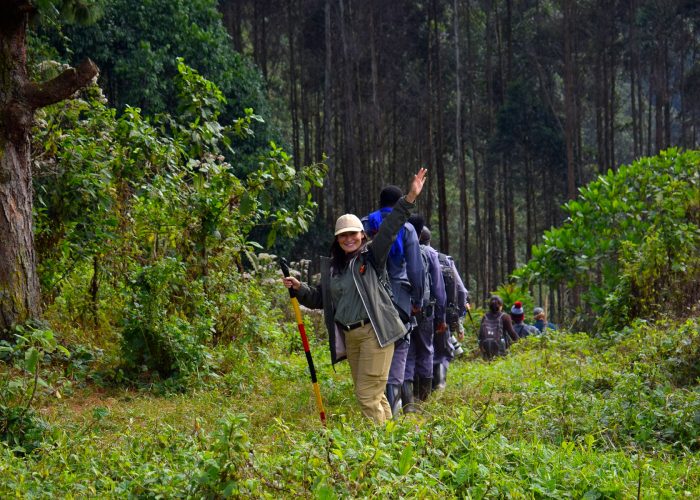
column 20, row 298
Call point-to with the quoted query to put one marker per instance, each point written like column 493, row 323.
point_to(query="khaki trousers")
column 369, row 365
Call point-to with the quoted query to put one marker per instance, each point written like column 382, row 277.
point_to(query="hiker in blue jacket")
column 541, row 322
column 405, row 269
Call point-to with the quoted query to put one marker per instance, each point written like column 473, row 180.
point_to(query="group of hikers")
column 394, row 306
column 499, row 330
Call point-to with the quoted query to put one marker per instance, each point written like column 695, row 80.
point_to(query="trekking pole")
column 470, row 317
column 305, row 342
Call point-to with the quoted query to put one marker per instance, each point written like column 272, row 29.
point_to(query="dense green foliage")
column 135, row 45
column 630, row 241
column 170, row 365
column 141, row 227
column 562, row 416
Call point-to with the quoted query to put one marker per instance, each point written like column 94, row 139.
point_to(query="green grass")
column 560, row 417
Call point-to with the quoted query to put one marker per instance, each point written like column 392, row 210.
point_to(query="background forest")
column 511, row 105
column 158, row 356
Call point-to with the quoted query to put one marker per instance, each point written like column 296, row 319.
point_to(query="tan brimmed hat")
column 348, row 223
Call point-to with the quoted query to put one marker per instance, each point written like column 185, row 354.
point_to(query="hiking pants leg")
column 442, row 353
column 398, row 362
column 423, row 341
column 409, row 372
column 369, row 364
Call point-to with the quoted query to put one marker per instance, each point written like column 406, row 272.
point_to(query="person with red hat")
column 517, row 314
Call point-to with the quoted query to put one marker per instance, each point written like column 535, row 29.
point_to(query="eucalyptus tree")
column 20, row 97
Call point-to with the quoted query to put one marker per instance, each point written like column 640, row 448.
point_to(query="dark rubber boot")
column 425, row 387
column 407, row 397
column 439, row 376
column 393, row 394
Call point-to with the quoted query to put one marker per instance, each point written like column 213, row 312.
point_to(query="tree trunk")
column 438, row 137
column 459, row 152
column 20, row 298
column 293, row 102
column 569, row 108
column 328, row 143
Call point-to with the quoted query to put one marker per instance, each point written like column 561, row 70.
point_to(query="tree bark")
column 20, row 298
column 293, row 101
column 438, row 137
column 459, row 152
column 328, row 143
column 569, row 108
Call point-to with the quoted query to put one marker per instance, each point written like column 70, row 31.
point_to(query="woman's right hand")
column 291, row 282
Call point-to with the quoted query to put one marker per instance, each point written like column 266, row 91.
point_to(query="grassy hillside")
column 562, row 416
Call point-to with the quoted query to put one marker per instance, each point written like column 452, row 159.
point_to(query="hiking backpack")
column 447, row 271
column 491, row 341
column 523, row 331
column 448, row 275
column 427, row 280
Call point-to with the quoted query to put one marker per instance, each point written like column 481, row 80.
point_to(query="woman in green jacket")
column 355, row 296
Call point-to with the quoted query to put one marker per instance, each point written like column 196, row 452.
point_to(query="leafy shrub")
column 167, row 322
column 21, row 378
column 512, row 292
column 630, row 241
column 225, row 465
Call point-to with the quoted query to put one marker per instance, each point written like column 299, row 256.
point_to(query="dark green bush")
column 167, row 321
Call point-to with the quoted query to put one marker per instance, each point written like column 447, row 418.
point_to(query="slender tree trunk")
column 438, row 137
column 490, row 169
column 20, row 298
column 509, row 213
column 478, row 259
column 232, row 19
column 666, row 93
column 569, row 100
column 612, row 94
column 293, row 99
column 348, row 128
column 459, row 153
column 328, row 143
column 530, row 207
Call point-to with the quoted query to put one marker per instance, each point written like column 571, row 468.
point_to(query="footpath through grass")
column 561, row 416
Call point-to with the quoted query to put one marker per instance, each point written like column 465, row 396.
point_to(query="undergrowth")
column 561, row 416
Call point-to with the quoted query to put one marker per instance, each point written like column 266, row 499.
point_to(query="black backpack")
column 491, row 341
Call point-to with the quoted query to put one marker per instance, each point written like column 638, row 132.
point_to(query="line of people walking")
column 393, row 305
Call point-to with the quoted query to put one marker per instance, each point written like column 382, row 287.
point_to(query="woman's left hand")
column 416, row 185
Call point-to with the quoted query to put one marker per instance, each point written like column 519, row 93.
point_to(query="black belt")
column 352, row 326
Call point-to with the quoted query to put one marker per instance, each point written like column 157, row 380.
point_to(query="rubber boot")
column 425, row 387
column 439, row 376
column 407, row 397
column 393, row 394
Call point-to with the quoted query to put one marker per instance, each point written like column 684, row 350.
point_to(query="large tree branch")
column 38, row 95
